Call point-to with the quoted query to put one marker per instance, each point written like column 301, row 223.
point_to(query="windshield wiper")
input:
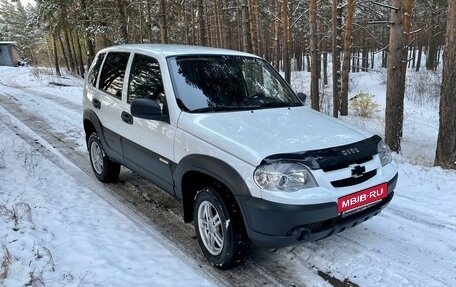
column 216, row 109
column 278, row 105
column 243, row 108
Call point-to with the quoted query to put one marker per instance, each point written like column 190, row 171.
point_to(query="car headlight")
column 283, row 176
column 384, row 153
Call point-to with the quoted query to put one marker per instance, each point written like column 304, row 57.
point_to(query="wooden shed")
column 9, row 54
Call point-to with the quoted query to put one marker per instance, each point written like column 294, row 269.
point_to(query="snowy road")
column 410, row 244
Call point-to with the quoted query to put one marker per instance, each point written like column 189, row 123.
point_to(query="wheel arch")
column 195, row 171
column 91, row 124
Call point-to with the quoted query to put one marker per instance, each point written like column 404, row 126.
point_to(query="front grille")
column 353, row 181
column 339, row 164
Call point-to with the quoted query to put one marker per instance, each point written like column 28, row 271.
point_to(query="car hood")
column 254, row 135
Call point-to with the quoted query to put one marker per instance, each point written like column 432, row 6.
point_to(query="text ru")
column 362, row 197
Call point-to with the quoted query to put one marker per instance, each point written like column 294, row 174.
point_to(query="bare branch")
column 416, row 31
column 385, row 6
column 380, row 22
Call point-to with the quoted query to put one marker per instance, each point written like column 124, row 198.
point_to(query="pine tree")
column 446, row 144
column 401, row 13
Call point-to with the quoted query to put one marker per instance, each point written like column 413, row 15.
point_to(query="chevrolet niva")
column 224, row 134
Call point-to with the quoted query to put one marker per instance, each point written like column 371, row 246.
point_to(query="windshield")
column 221, row 83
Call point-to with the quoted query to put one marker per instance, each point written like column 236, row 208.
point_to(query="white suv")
column 224, row 134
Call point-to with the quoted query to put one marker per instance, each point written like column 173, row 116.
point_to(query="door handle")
column 127, row 118
column 96, row 103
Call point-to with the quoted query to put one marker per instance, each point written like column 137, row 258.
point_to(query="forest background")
column 293, row 35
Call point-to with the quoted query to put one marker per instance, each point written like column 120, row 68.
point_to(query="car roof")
column 167, row 50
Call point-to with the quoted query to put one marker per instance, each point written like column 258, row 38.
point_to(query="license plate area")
column 362, row 198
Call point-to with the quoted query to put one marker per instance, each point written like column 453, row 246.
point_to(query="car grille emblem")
column 358, row 171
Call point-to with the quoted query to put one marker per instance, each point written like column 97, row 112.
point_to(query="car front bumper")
column 273, row 225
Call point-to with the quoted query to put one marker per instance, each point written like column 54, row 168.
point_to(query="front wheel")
column 220, row 231
column 105, row 170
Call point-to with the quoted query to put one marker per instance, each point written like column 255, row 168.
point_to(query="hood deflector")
column 332, row 158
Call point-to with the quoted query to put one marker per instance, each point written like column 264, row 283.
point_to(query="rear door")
column 108, row 100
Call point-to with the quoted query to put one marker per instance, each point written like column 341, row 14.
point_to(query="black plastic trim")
column 213, row 167
column 332, row 158
column 149, row 164
column 272, row 225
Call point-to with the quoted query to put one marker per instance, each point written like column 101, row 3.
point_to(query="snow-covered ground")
column 59, row 227
column 55, row 231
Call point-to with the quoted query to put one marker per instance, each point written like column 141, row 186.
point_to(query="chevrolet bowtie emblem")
column 358, row 171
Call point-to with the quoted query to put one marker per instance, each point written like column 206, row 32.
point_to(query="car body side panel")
column 149, row 164
column 109, row 140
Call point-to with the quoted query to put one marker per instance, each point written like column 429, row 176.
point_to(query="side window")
column 113, row 73
column 146, row 81
column 93, row 75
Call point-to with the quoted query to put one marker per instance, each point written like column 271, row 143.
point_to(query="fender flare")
column 212, row 167
column 92, row 117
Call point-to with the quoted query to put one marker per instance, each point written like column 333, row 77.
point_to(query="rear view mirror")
column 145, row 109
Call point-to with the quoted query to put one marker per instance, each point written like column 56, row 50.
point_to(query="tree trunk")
column 200, row 22
column 286, row 42
column 123, row 21
column 446, row 143
column 347, row 55
column 56, row 57
column 73, row 47
column 63, row 52
column 162, row 21
column 325, row 67
column 257, row 27
column 336, row 45
column 384, row 59
column 308, row 63
column 431, row 60
column 246, row 37
column 413, row 56
column 218, row 28
column 397, row 64
column 149, row 22
column 372, row 59
column 88, row 37
column 365, row 48
column 81, row 62
column 276, row 51
column 71, row 59
column 253, row 26
column 314, row 63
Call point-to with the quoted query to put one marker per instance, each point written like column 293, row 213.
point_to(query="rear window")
column 113, row 73
column 93, row 74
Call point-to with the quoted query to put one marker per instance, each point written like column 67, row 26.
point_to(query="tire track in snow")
column 145, row 204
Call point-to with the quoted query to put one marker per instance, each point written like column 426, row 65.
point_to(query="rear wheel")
column 220, row 231
column 105, row 169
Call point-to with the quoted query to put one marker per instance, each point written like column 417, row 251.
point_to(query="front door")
column 148, row 144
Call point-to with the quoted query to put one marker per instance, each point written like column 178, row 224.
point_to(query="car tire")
column 103, row 168
column 220, row 231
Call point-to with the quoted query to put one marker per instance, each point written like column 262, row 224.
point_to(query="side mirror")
column 145, row 109
column 302, row 97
